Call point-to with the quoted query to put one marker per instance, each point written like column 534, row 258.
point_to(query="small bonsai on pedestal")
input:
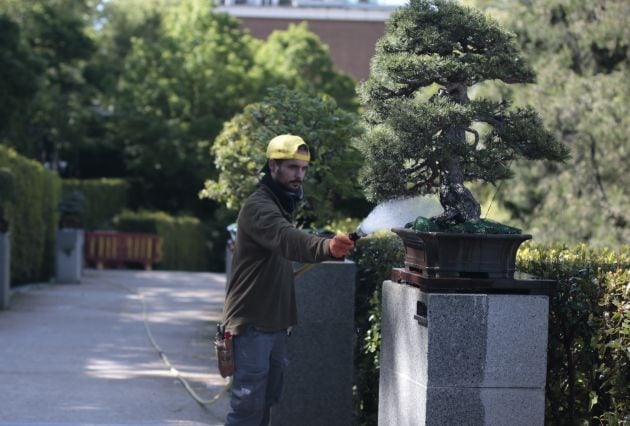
column 7, row 193
column 424, row 134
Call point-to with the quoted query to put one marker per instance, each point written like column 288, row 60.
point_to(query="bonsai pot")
column 443, row 254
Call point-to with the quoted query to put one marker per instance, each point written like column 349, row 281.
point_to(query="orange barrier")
column 114, row 249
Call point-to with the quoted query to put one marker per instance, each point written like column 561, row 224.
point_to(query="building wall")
column 351, row 43
column 351, row 33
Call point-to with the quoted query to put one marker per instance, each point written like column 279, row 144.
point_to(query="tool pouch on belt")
column 224, row 344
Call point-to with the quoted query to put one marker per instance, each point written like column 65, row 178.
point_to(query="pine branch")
column 476, row 133
column 406, row 91
column 415, row 168
column 496, row 121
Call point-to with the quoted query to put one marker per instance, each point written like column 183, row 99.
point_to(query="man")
column 260, row 305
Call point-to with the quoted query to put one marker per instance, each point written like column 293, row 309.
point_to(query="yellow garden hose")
column 303, row 269
column 176, row 373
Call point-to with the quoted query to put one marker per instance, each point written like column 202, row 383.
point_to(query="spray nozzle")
column 357, row 234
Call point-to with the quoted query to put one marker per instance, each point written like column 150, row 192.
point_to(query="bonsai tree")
column 424, row 133
column 7, row 193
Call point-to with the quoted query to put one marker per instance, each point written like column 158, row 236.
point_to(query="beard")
column 287, row 185
column 289, row 188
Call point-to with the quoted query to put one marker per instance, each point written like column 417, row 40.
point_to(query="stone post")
column 5, row 269
column 69, row 256
column 318, row 380
column 462, row 358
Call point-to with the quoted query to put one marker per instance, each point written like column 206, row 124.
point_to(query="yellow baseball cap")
column 286, row 147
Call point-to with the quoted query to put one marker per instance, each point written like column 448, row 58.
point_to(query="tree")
column 425, row 134
column 580, row 51
column 116, row 24
column 299, row 60
column 54, row 34
column 239, row 151
column 20, row 72
column 173, row 97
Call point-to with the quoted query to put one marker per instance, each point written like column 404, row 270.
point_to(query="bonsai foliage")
column 424, row 134
column 7, row 193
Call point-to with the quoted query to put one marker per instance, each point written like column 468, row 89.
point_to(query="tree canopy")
column 298, row 59
column 20, row 71
column 49, row 44
column 173, row 97
column 580, row 50
column 239, row 151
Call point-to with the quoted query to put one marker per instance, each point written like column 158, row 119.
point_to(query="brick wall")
column 351, row 43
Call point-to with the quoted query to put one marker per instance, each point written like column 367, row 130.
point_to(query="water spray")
column 396, row 214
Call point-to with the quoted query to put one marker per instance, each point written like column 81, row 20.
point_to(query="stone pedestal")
column 5, row 269
column 462, row 358
column 318, row 380
column 69, row 255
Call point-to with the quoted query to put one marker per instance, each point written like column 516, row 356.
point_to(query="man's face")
column 289, row 173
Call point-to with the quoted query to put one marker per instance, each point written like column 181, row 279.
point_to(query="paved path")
column 79, row 354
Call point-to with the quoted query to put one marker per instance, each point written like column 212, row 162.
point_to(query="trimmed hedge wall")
column 375, row 257
column 588, row 368
column 32, row 217
column 104, row 199
column 183, row 237
column 588, row 356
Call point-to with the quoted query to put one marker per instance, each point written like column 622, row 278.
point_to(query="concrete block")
column 458, row 405
column 404, row 343
column 326, row 293
column 513, row 406
column 491, row 340
column 485, row 406
column 402, row 400
column 69, row 255
column 516, row 353
column 5, row 269
column 476, row 359
column 318, row 380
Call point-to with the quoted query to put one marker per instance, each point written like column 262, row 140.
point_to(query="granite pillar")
column 318, row 379
column 451, row 359
column 69, row 258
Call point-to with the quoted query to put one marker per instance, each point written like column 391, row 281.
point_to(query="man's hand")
column 340, row 245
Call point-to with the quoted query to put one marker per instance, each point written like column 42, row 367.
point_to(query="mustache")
column 296, row 181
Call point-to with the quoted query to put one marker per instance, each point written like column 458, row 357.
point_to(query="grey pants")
column 260, row 359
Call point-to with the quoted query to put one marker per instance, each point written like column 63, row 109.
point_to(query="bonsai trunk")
column 458, row 202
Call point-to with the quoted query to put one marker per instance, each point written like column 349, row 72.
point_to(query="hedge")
column 588, row 357
column 32, row 217
column 375, row 257
column 183, row 237
column 104, row 199
column 588, row 369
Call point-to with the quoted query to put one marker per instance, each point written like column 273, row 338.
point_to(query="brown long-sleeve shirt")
column 260, row 292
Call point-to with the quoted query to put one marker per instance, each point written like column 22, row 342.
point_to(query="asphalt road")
column 80, row 354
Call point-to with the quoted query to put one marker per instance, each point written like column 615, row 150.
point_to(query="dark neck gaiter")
column 288, row 199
